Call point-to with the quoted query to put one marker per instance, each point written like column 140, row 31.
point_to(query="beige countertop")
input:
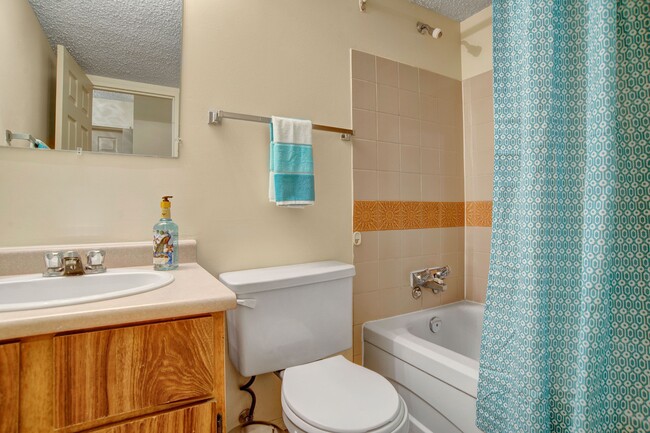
column 194, row 291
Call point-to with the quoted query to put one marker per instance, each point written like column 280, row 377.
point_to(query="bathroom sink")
column 32, row 292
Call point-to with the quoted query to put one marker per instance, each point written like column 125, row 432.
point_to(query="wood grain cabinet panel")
column 194, row 419
column 113, row 372
column 9, row 386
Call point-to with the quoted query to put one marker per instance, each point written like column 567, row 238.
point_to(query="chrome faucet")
column 429, row 278
column 69, row 263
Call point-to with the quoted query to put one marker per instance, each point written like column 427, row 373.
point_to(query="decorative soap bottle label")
column 163, row 247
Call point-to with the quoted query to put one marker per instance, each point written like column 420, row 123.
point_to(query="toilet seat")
column 336, row 396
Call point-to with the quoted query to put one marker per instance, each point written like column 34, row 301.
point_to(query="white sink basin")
column 32, row 292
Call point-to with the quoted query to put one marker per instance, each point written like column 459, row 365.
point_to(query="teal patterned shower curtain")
column 566, row 335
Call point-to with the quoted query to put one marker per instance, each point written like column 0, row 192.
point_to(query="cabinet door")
column 201, row 418
column 109, row 375
column 9, row 382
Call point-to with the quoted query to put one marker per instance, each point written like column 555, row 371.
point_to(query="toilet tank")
column 289, row 315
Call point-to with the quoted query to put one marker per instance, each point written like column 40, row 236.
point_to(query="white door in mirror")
column 33, row 292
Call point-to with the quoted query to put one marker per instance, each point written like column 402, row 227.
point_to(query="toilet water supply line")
column 248, row 417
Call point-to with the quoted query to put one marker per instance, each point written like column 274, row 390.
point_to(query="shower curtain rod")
column 215, row 117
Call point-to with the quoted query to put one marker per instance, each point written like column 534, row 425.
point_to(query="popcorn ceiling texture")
column 125, row 39
column 454, row 9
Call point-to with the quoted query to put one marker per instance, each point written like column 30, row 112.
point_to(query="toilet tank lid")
column 280, row 277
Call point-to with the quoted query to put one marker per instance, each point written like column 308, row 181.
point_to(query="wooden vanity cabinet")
column 9, row 387
column 160, row 377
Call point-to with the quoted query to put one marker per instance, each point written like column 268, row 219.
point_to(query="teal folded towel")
column 291, row 164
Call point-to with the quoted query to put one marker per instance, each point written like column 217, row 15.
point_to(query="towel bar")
column 215, row 117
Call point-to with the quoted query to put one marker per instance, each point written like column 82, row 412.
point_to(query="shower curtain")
column 566, row 334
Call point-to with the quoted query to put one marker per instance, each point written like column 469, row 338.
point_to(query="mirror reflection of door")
column 73, row 104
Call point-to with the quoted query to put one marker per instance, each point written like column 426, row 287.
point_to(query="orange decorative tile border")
column 478, row 214
column 404, row 215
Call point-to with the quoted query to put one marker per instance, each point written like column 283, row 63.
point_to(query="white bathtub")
column 436, row 374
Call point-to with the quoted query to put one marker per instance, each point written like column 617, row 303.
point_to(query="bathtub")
column 435, row 373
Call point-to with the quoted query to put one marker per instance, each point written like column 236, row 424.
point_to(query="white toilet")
column 293, row 318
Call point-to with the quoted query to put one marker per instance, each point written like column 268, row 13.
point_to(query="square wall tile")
column 365, row 184
column 365, row 124
column 452, row 188
column 388, row 157
column 410, row 187
column 478, row 264
column 431, row 187
column 409, row 104
column 389, row 273
column 364, row 95
column 412, row 242
column 408, row 78
column 428, row 108
column 388, row 185
column 431, row 241
column 410, row 159
column 387, row 99
column 451, row 138
column 482, row 111
column 388, row 128
column 477, row 239
column 390, row 244
column 430, row 135
column 482, row 138
column 451, row 163
column 363, row 66
column 387, row 72
column 476, row 289
column 429, row 161
column 367, row 306
column 366, row 278
column 450, row 113
column 409, row 131
column 364, row 154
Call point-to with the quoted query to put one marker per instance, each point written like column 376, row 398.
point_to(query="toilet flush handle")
column 250, row 303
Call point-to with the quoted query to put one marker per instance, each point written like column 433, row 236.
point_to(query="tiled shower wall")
column 478, row 109
column 408, row 186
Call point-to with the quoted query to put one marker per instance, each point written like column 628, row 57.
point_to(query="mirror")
column 99, row 76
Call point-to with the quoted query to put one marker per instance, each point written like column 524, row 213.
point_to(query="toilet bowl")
column 335, row 395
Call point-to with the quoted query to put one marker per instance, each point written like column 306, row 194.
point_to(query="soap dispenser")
column 165, row 239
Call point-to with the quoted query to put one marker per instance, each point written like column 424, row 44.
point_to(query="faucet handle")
column 95, row 261
column 53, row 264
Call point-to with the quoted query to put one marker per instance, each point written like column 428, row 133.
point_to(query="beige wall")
column 288, row 57
column 476, row 44
column 26, row 75
column 478, row 123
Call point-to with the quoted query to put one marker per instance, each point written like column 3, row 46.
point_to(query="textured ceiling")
column 455, row 9
column 131, row 40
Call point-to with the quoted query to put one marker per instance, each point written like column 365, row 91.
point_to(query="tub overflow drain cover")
column 435, row 324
